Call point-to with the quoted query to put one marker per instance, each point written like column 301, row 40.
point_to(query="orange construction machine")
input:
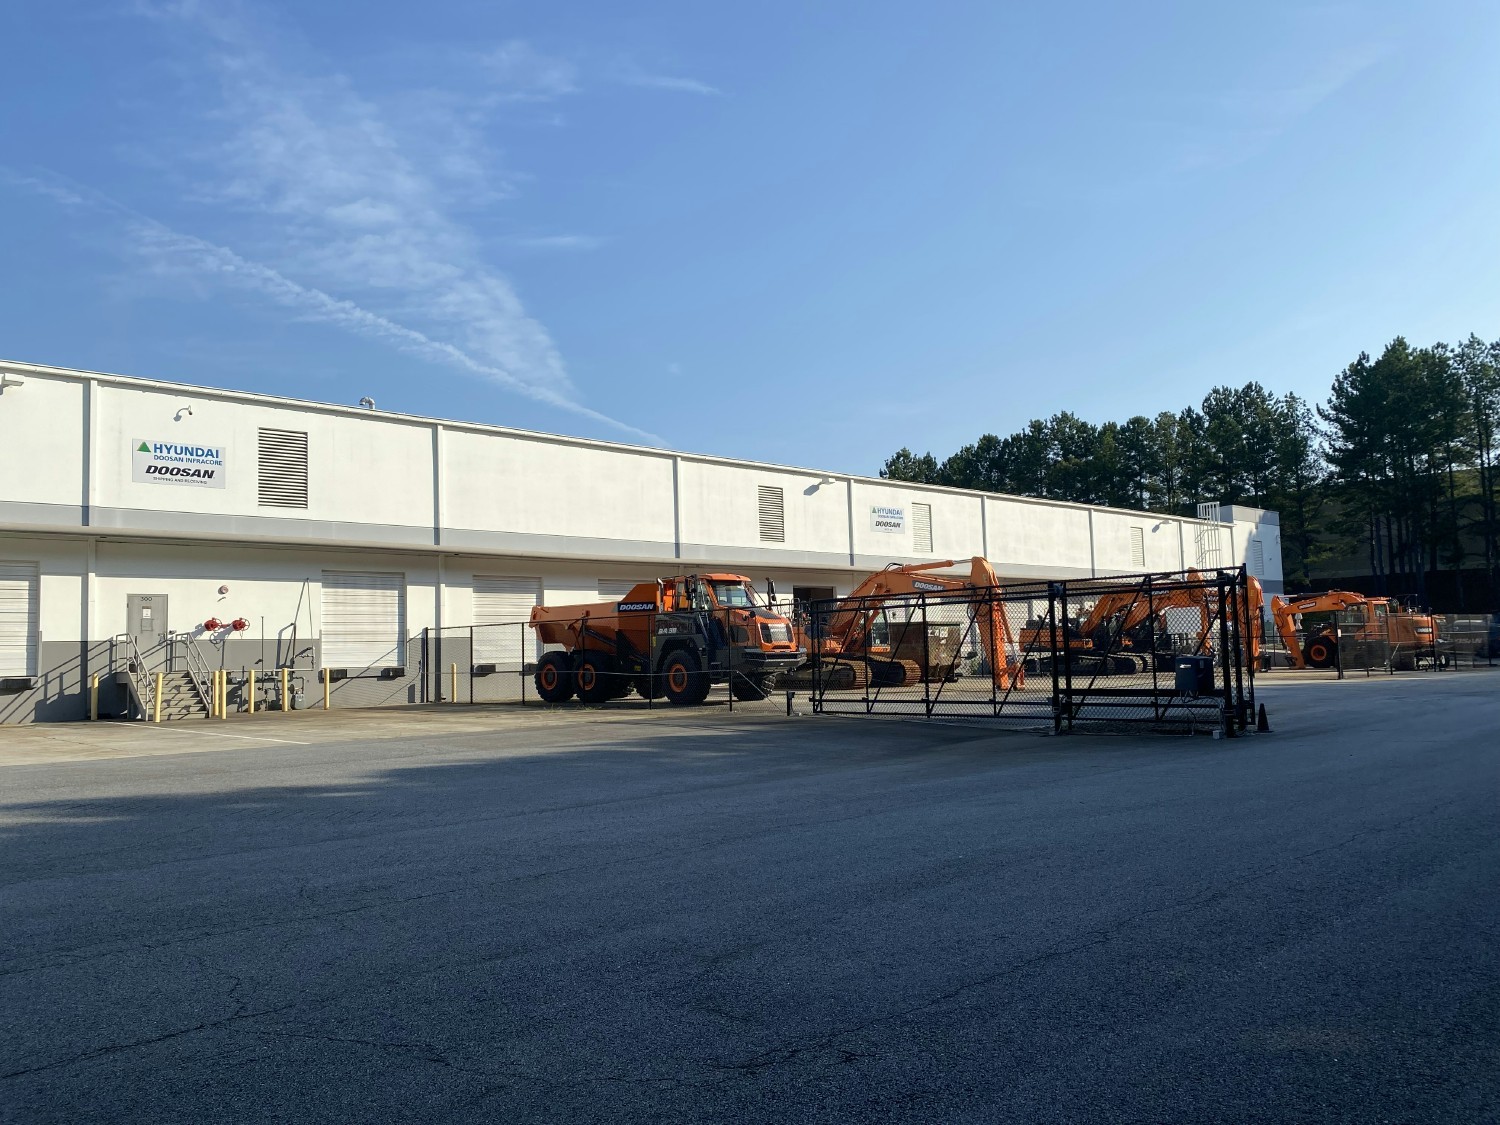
column 1373, row 631
column 1127, row 630
column 857, row 640
column 674, row 637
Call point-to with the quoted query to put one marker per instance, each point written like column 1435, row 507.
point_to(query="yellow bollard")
column 94, row 698
column 453, row 682
column 286, row 679
column 223, row 693
column 156, row 702
column 250, row 688
column 325, row 689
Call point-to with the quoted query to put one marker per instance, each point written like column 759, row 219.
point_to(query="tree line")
column 1398, row 467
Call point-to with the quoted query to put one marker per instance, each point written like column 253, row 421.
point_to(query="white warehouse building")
column 136, row 508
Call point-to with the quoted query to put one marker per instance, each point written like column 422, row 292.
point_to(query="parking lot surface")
column 599, row 916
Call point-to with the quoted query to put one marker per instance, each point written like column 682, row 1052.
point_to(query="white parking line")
column 216, row 734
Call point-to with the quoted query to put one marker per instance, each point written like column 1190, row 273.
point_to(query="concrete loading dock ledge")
column 142, row 509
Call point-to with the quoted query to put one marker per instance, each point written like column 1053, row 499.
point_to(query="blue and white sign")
column 177, row 462
column 892, row 521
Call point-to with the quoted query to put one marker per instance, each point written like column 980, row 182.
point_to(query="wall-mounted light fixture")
column 10, row 381
column 367, row 402
column 181, row 410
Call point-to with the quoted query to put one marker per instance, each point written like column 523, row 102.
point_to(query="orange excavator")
column 1313, row 626
column 1127, row 630
column 859, row 641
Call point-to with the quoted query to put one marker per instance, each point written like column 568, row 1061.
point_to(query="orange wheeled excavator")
column 1372, row 627
column 674, row 637
column 856, row 642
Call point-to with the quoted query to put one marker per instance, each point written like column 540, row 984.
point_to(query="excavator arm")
column 847, row 630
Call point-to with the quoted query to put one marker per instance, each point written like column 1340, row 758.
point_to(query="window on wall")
column 1257, row 560
column 364, row 621
column 283, row 469
column 772, row 515
column 921, row 528
column 1138, row 547
column 19, row 589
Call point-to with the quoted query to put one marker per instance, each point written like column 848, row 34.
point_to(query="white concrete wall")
column 41, row 441
column 389, row 482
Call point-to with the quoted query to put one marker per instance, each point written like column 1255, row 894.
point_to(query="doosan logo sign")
column 177, row 462
column 892, row 521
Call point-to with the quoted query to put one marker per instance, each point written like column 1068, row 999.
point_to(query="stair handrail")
column 141, row 680
column 198, row 669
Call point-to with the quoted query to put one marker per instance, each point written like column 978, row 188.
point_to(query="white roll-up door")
column 502, row 604
column 19, row 597
column 364, row 620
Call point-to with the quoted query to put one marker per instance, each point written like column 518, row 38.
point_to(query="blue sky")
column 801, row 233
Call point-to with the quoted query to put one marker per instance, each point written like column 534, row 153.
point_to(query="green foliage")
column 1402, row 462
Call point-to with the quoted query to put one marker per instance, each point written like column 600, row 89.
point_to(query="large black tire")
column 683, row 680
column 748, row 689
column 554, row 678
column 593, row 679
column 1403, row 660
column 1321, row 652
column 647, row 686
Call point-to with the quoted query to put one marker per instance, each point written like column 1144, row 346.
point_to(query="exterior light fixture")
column 367, row 402
column 181, row 410
column 10, row 381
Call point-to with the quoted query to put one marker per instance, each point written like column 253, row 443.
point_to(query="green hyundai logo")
column 144, row 448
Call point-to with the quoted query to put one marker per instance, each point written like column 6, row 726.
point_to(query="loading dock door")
column 18, row 618
column 364, row 621
column 501, row 603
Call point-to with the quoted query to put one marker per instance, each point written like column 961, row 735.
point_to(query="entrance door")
column 146, row 621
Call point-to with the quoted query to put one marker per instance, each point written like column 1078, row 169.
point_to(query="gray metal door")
column 146, row 621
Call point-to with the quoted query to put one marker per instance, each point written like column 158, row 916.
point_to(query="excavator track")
column 832, row 675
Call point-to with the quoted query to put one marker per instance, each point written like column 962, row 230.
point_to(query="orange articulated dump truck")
column 674, row 637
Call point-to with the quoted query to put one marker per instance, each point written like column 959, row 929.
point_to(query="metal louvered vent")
column 921, row 528
column 1138, row 546
column 772, row 515
column 283, row 469
column 1257, row 557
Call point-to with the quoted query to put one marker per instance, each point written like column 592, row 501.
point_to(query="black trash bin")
column 1195, row 676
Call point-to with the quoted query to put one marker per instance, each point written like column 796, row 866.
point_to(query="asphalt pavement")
column 684, row 917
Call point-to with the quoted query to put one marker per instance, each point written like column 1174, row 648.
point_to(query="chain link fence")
column 1167, row 650
column 506, row 662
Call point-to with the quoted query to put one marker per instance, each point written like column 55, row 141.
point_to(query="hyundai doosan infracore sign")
column 890, row 520
column 177, row 462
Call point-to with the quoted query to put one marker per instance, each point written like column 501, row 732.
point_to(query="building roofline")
column 22, row 367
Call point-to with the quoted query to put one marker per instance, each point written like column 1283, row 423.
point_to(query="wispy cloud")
column 518, row 71
column 1280, row 104
column 167, row 251
column 668, row 82
column 327, row 187
column 559, row 242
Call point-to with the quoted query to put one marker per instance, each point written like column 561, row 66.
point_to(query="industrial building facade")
column 136, row 511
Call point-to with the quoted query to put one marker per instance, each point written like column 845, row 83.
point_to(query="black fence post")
column 995, row 658
column 1053, row 655
column 426, row 663
column 1151, row 656
column 926, row 662
column 1067, row 654
column 1228, row 603
column 729, row 652
column 1229, row 729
